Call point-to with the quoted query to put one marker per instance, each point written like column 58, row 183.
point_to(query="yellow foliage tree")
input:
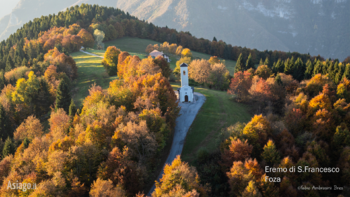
column 176, row 176
column 257, row 130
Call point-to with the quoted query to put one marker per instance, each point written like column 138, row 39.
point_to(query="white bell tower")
column 184, row 74
column 185, row 92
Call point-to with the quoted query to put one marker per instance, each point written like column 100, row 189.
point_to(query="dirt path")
column 183, row 122
column 91, row 54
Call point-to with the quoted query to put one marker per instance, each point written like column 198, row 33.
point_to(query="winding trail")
column 91, row 54
column 188, row 113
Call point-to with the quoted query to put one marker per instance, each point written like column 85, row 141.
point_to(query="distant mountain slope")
column 314, row 26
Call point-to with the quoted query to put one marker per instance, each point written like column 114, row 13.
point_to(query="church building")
column 186, row 92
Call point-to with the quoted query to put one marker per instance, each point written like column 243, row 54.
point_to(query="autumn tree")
column 149, row 48
column 240, row 85
column 251, row 190
column 30, row 128
column 260, row 90
column 63, row 98
column 142, row 143
column 199, row 71
column 163, row 65
column 241, row 174
column 88, row 39
column 106, row 189
column 214, row 60
column 59, row 123
column 121, row 170
column 237, row 150
column 219, row 77
column 110, row 60
column 178, row 174
column 320, row 101
column 186, row 53
column 257, row 131
column 179, row 50
column 270, row 154
column 263, row 71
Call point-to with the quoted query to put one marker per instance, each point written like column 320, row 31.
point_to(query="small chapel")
column 186, row 92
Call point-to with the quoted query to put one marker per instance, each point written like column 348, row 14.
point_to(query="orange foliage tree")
column 88, row 39
column 240, row 84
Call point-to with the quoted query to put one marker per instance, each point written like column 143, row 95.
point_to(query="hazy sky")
column 6, row 6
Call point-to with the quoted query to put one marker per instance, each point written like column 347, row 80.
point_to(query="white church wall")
column 185, row 89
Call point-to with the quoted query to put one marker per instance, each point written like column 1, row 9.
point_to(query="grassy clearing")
column 137, row 46
column 90, row 71
column 218, row 112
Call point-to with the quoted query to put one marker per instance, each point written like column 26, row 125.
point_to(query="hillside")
column 303, row 26
column 314, row 26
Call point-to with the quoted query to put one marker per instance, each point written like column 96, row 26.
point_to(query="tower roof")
column 183, row 65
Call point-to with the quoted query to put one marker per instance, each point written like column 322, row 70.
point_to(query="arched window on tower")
column 184, row 72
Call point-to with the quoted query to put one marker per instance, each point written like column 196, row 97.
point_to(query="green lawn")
column 90, row 71
column 137, row 46
column 219, row 111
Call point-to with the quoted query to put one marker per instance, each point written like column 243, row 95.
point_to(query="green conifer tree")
column 239, row 66
column 9, row 64
column 261, row 62
column 309, row 70
column 278, row 79
column 266, row 62
column 24, row 62
column 335, row 70
column 2, row 79
column 5, row 126
column 63, row 97
column 26, row 142
column 249, row 63
column 347, row 72
column 298, row 70
column 317, row 68
column 330, row 70
column 72, row 109
column 279, row 67
column 288, row 69
column 341, row 137
column 9, row 147
column 339, row 75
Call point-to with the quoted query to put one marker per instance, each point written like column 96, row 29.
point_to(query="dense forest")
column 111, row 144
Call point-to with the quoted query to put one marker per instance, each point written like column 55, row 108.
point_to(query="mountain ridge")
column 318, row 27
